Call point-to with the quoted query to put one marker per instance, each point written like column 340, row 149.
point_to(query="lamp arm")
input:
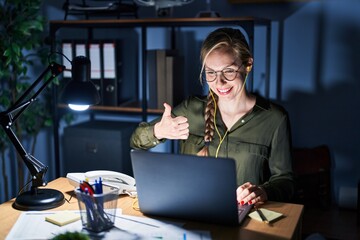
column 36, row 168
column 55, row 69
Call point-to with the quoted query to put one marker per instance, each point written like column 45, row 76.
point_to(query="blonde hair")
column 234, row 42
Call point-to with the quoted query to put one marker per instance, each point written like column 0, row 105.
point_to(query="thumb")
column 167, row 111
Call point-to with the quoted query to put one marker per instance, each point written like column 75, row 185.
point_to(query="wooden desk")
column 288, row 227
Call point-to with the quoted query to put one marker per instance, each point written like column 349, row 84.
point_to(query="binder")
column 109, row 79
column 67, row 50
column 94, row 55
column 80, row 49
column 95, row 59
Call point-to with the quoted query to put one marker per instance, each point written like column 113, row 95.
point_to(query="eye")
column 210, row 73
column 229, row 71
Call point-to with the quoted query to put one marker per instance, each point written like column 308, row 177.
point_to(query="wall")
column 314, row 71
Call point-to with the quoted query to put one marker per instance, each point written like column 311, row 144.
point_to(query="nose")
column 221, row 77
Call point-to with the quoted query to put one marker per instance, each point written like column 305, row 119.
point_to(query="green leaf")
column 16, row 49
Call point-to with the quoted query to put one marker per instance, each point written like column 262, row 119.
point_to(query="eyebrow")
column 233, row 64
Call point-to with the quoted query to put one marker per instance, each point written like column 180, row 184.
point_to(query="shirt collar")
column 262, row 103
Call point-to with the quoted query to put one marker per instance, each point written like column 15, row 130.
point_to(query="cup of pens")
column 97, row 206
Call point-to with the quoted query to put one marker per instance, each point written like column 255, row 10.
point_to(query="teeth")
column 224, row 90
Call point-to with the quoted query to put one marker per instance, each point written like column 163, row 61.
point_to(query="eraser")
column 63, row 217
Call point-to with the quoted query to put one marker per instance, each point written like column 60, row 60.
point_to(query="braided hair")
column 234, row 42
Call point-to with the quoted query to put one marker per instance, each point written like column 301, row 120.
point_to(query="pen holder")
column 98, row 211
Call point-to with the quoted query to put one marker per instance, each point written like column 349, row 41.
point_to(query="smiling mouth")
column 224, row 91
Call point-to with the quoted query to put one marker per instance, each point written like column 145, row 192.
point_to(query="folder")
column 109, row 79
column 67, row 50
column 94, row 55
column 80, row 49
column 95, row 59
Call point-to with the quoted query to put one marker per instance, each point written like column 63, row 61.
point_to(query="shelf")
column 150, row 22
column 133, row 107
column 154, row 22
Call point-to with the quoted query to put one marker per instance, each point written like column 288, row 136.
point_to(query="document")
column 32, row 225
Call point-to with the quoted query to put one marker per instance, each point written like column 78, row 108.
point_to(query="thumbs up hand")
column 171, row 128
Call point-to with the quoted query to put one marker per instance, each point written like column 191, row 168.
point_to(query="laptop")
column 187, row 187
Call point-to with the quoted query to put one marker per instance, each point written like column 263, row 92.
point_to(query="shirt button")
column 242, row 121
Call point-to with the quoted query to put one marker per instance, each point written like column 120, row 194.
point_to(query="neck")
column 239, row 105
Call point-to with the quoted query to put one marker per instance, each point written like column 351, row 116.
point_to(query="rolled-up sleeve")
column 143, row 136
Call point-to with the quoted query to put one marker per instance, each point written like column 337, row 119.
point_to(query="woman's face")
column 220, row 60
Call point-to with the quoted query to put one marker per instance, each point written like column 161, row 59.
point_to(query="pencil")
column 262, row 216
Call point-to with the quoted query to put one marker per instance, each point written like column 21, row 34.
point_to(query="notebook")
column 187, row 187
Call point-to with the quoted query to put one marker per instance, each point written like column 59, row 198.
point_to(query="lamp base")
column 39, row 199
column 207, row 14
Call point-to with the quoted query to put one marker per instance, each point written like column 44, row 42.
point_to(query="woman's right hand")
column 171, row 128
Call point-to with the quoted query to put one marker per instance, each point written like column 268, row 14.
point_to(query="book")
column 159, row 78
column 155, row 77
column 174, row 80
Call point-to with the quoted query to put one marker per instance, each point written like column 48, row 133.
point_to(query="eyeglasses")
column 228, row 73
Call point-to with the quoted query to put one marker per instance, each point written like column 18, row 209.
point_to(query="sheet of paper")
column 270, row 215
column 147, row 228
column 32, row 225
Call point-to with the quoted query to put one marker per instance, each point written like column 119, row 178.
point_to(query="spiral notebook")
column 187, row 187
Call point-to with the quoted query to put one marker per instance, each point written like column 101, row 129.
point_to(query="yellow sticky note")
column 62, row 218
column 270, row 215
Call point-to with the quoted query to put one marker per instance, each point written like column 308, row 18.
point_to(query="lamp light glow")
column 76, row 107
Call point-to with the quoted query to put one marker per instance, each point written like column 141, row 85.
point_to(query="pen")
column 262, row 216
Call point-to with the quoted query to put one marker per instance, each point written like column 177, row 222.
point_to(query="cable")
column 135, row 204
column 227, row 130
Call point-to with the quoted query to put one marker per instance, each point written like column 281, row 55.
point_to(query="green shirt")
column 259, row 142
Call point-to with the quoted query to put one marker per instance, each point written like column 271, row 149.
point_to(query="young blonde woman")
column 230, row 122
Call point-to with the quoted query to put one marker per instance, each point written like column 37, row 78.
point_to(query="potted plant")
column 21, row 48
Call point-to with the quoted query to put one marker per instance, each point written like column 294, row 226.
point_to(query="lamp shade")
column 80, row 90
column 163, row 3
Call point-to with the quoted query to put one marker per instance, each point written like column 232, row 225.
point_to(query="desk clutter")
column 100, row 219
column 32, row 225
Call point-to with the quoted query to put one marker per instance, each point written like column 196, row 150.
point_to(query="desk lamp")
column 41, row 198
column 162, row 6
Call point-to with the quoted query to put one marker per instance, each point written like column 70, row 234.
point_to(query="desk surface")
column 288, row 227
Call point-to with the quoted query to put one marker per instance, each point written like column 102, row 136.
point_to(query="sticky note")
column 62, row 218
column 270, row 215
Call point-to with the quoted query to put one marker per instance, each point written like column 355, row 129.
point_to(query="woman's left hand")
column 251, row 194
